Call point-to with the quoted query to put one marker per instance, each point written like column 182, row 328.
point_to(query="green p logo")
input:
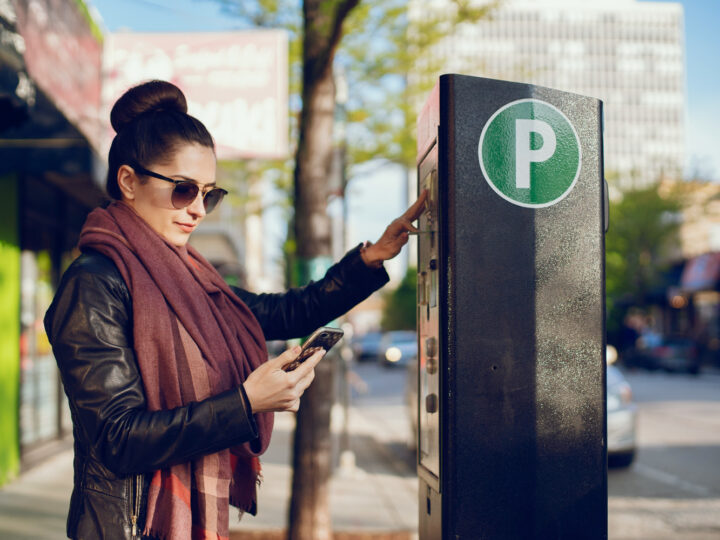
column 530, row 153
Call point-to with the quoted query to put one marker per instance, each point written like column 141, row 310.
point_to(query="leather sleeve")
column 89, row 325
column 299, row 311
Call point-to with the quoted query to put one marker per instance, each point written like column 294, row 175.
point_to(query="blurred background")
column 653, row 63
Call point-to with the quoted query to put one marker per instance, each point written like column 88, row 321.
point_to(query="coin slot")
column 431, row 403
column 422, row 288
column 433, row 289
column 431, row 347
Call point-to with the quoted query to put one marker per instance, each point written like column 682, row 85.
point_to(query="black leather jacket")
column 118, row 443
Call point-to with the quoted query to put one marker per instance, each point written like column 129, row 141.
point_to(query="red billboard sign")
column 64, row 58
column 234, row 82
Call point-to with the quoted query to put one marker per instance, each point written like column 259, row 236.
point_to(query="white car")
column 398, row 348
column 621, row 415
column 621, row 419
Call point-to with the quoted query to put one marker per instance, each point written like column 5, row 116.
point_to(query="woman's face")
column 151, row 198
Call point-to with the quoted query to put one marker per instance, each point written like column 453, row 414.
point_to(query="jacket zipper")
column 136, row 505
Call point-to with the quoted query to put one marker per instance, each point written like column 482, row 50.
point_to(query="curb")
column 281, row 534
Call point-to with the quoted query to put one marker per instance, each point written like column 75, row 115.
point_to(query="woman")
column 164, row 365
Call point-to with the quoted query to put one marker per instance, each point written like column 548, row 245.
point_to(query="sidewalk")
column 376, row 499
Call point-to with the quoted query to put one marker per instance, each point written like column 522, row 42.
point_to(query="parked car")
column 673, row 354
column 621, row 419
column 676, row 354
column 398, row 348
column 621, row 414
column 366, row 347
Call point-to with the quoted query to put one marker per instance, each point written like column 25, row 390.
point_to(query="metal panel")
column 520, row 332
column 429, row 356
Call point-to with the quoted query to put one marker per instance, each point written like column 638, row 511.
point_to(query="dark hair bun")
column 148, row 97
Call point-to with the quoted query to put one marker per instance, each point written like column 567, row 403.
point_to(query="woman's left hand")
column 396, row 235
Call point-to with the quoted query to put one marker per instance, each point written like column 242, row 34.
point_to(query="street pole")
column 347, row 456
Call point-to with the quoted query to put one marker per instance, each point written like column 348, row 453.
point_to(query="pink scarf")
column 193, row 338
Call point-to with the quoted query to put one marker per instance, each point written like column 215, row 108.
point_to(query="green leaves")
column 643, row 229
column 400, row 309
column 387, row 54
column 265, row 13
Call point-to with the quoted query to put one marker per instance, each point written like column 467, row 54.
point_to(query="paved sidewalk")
column 34, row 506
column 376, row 499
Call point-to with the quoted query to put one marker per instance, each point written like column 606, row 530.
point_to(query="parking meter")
column 511, row 375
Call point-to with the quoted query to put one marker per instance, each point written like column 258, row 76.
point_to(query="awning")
column 701, row 273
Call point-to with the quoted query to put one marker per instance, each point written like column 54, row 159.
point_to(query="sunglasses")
column 185, row 191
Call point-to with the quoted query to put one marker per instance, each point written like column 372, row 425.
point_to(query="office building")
column 627, row 53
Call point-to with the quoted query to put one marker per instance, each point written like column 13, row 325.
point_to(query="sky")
column 702, row 21
column 702, row 56
column 367, row 218
column 368, row 215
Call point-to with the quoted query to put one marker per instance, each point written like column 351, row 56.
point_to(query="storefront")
column 50, row 175
column 697, row 302
column 50, row 220
column 51, row 134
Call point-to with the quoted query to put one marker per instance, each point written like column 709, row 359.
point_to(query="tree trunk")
column 312, row 169
column 312, row 450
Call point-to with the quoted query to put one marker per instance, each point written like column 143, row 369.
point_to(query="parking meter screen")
column 428, row 326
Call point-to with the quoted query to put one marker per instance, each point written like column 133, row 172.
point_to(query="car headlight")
column 613, row 402
column 611, row 354
column 393, row 354
column 626, row 394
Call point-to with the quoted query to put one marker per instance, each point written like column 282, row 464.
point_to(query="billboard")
column 64, row 57
column 236, row 83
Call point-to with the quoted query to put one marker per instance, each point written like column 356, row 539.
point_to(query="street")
column 672, row 490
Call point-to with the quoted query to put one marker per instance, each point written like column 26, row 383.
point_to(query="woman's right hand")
column 270, row 388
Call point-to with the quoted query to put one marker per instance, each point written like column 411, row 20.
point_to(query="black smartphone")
column 322, row 338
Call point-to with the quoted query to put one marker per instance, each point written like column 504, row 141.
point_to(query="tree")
column 400, row 311
column 312, row 456
column 382, row 48
column 390, row 58
column 643, row 226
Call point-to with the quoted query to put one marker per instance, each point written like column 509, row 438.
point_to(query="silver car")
column 398, row 348
column 621, row 419
column 621, row 415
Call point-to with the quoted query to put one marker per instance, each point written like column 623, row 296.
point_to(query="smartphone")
column 322, row 338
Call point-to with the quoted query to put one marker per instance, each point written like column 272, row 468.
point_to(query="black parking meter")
column 511, row 380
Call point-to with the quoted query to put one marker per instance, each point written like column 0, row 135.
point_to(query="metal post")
column 511, row 377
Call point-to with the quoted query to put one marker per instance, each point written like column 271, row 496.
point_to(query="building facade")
column 236, row 84
column 694, row 301
column 59, row 75
column 50, row 176
column 627, row 53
